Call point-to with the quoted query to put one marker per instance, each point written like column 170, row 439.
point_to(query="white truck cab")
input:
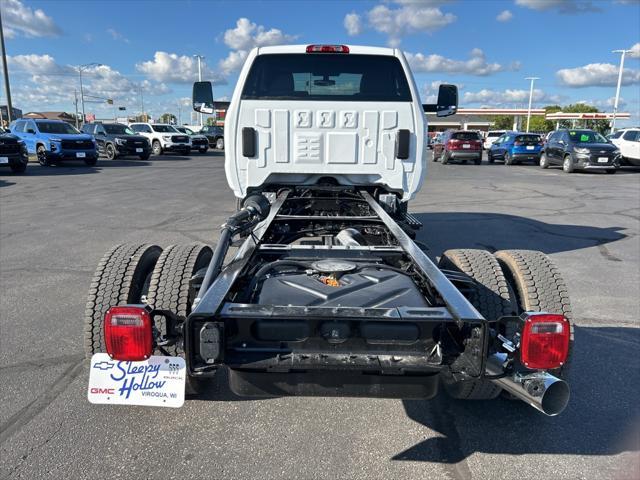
column 303, row 112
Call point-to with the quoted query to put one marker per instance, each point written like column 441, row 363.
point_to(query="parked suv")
column 492, row 136
column 580, row 150
column 514, row 147
column 215, row 135
column 163, row 138
column 115, row 140
column 628, row 141
column 198, row 142
column 459, row 145
column 53, row 141
column 13, row 152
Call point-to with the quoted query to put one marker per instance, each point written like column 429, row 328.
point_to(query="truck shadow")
column 602, row 418
column 497, row 231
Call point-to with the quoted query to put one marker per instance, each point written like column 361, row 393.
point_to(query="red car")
column 459, row 145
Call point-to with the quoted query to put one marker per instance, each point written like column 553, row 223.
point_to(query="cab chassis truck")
column 327, row 293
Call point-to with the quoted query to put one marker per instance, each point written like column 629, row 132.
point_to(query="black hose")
column 216, row 261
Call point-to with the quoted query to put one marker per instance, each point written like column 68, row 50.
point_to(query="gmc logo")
column 103, row 391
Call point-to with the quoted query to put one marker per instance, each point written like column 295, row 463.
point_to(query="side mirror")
column 447, row 100
column 203, row 97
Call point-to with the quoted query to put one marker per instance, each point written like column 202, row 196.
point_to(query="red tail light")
column 517, row 144
column 545, row 341
column 128, row 334
column 327, row 49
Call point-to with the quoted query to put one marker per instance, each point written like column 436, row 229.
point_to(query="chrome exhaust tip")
column 544, row 392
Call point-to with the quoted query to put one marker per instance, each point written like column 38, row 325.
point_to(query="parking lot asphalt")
column 55, row 224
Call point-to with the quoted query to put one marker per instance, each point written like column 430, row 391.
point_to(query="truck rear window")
column 344, row 77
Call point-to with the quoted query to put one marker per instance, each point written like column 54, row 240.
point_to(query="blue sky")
column 486, row 47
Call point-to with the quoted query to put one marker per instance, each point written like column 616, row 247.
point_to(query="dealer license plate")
column 156, row 382
column 603, row 160
column 138, row 150
column 530, row 147
column 4, row 160
column 466, row 145
column 80, row 155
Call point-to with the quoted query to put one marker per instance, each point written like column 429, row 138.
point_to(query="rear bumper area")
column 331, row 384
column 533, row 156
column 464, row 155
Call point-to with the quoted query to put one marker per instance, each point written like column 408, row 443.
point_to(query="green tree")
column 168, row 118
column 502, row 122
column 601, row 126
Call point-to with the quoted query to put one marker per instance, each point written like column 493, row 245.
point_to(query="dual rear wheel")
column 141, row 273
column 508, row 282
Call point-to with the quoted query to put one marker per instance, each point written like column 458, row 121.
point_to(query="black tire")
column 567, row 164
column 444, row 159
column 492, row 297
column 203, row 150
column 156, row 148
column 539, row 287
column 41, row 154
column 110, row 152
column 145, row 156
column 91, row 162
column 187, row 152
column 18, row 167
column 508, row 159
column 478, row 161
column 490, row 158
column 169, row 290
column 122, row 277
column 544, row 161
column 611, row 171
column 220, row 143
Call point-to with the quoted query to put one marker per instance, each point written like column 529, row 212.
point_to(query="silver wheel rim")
column 110, row 152
column 543, row 160
column 566, row 164
column 219, row 144
column 156, row 148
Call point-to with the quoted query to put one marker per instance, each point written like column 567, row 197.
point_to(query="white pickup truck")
column 327, row 294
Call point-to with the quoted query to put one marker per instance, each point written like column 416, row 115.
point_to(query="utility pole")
column 141, row 103
column 75, row 96
column 80, row 68
column 533, row 79
column 199, row 57
column 6, row 73
column 615, row 105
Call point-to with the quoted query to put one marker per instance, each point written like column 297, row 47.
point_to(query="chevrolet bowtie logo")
column 103, row 365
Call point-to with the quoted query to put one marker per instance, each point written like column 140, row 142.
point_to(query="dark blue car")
column 53, row 141
column 515, row 147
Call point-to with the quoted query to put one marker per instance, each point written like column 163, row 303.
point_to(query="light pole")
column 615, row 104
column 6, row 75
column 200, row 58
column 533, row 79
column 80, row 68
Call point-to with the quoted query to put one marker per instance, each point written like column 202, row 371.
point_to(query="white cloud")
column 174, row 68
column 504, row 16
column 476, row 65
column 606, row 103
column 410, row 17
column 596, row 74
column 561, row 6
column 245, row 36
column 116, row 35
column 21, row 20
column 352, row 24
column 41, row 83
column 635, row 51
column 508, row 96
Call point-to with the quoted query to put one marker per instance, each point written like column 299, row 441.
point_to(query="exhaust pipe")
column 544, row 392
